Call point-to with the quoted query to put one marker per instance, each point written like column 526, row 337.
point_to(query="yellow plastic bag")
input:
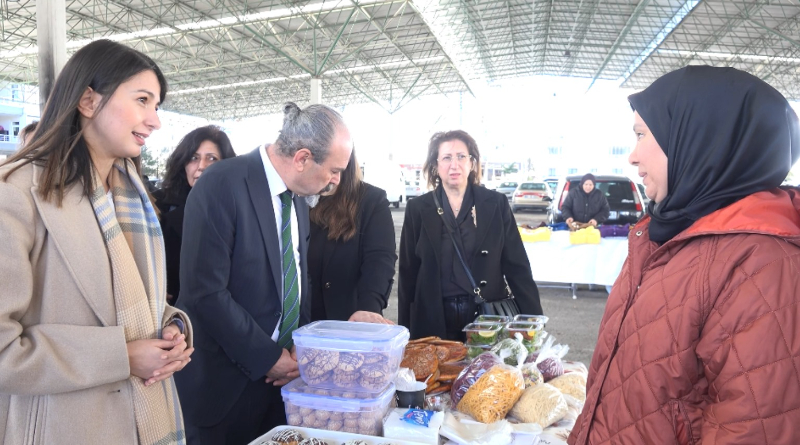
column 589, row 235
column 534, row 235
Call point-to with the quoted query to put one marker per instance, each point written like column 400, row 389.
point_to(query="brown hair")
column 58, row 144
column 338, row 213
column 431, row 161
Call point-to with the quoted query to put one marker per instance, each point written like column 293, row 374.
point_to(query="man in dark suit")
column 245, row 239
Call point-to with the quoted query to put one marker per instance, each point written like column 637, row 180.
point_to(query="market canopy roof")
column 238, row 58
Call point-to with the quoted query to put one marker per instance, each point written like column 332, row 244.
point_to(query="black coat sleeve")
column 209, row 236
column 566, row 207
column 601, row 215
column 409, row 264
column 378, row 255
column 516, row 267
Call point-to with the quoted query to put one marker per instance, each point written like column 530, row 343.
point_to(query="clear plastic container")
column 532, row 333
column 336, row 410
column 362, row 357
column 483, row 333
column 492, row 319
column 476, row 350
column 543, row 319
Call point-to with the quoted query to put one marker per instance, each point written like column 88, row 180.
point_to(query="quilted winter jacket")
column 700, row 339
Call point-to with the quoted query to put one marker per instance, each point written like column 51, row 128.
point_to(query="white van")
column 387, row 176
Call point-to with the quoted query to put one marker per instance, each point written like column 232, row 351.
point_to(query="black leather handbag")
column 506, row 306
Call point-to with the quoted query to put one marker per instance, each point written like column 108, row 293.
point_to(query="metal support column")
column 316, row 90
column 51, row 34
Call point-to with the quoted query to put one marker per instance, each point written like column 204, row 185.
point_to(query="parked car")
column 531, row 195
column 507, row 188
column 552, row 182
column 624, row 200
column 413, row 189
column 645, row 199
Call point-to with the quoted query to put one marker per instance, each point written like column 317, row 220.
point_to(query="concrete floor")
column 572, row 322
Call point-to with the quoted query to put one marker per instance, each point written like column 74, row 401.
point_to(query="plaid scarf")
column 136, row 251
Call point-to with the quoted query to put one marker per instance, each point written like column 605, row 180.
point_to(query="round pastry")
column 349, row 395
column 288, row 437
column 305, row 411
column 355, row 442
column 354, row 416
column 374, row 357
column 350, row 361
column 320, row 423
column 350, row 423
column 294, row 419
column 372, row 384
column 268, row 442
column 319, row 379
column 322, row 414
column 325, row 361
column 307, row 356
column 336, row 415
column 345, row 379
column 313, row 441
column 335, row 425
column 322, row 392
column 366, row 422
column 291, row 408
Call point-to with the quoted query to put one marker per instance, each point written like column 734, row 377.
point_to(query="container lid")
column 299, row 393
column 351, row 336
column 533, row 318
column 524, row 326
column 483, row 327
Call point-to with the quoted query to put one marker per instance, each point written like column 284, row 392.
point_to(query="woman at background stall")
column 699, row 340
column 88, row 345
column 435, row 295
column 351, row 253
column 198, row 150
column 585, row 204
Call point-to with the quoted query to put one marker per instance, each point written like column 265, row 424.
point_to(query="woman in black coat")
column 195, row 152
column 585, row 204
column 434, row 293
column 351, row 253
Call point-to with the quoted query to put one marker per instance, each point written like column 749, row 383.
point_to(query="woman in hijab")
column 585, row 204
column 699, row 340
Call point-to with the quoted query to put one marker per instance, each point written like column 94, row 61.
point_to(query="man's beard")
column 312, row 200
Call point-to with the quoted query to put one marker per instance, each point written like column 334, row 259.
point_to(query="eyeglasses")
column 460, row 158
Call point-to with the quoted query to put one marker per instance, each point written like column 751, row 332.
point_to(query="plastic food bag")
column 471, row 374
column 549, row 359
column 494, row 394
column 572, row 384
column 543, row 404
column 532, row 376
column 511, row 350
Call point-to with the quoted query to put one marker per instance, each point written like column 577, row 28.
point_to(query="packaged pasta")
column 493, row 395
column 572, row 384
column 471, row 374
column 543, row 404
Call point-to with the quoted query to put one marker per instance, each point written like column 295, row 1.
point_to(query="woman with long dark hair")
column 198, row 150
column 351, row 253
column 88, row 345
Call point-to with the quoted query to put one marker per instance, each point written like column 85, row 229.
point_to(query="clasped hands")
column 154, row 360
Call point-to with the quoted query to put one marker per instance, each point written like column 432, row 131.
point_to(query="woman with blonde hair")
column 88, row 345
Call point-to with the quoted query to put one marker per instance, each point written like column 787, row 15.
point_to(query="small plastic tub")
column 543, row 319
column 492, row 319
column 532, row 333
column 476, row 350
column 336, row 410
column 351, row 356
column 483, row 334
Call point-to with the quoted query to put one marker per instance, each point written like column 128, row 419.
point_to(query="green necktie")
column 291, row 300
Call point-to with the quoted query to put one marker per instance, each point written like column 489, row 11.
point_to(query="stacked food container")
column 346, row 371
column 487, row 330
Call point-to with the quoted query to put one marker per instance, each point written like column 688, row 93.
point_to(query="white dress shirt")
column 276, row 187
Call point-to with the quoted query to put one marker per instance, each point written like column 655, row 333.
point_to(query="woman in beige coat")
column 88, row 344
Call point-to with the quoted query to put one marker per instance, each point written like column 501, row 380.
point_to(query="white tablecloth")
column 559, row 261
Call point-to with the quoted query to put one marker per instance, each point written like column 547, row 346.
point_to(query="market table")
column 558, row 261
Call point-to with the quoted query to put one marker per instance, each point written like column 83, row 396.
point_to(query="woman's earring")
column 437, row 182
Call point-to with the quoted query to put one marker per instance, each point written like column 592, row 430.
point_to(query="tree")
column 154, row 161
column 510, row 168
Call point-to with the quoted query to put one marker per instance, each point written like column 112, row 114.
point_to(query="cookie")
column 317, row 380
column 344, row 379
column 324, row 362
column 307, row 355
column 323, row 414
column 304, row 411
column 371, row 383
column 313, row 441
column 350, row 423
column 294, row 419
column 351, row 416
column 288, row 437
column 291, row 408
column 320, row 423
column 355, row 442
column 374, row 357
column 350, row 361
column 335, row 425
column 337, row 416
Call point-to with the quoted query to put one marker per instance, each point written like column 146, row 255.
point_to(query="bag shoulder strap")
column 475, row 288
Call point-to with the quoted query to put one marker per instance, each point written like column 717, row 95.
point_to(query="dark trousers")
column 458, row 312
column 258, row 410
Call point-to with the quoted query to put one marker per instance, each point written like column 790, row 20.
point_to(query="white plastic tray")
column 332, row 437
